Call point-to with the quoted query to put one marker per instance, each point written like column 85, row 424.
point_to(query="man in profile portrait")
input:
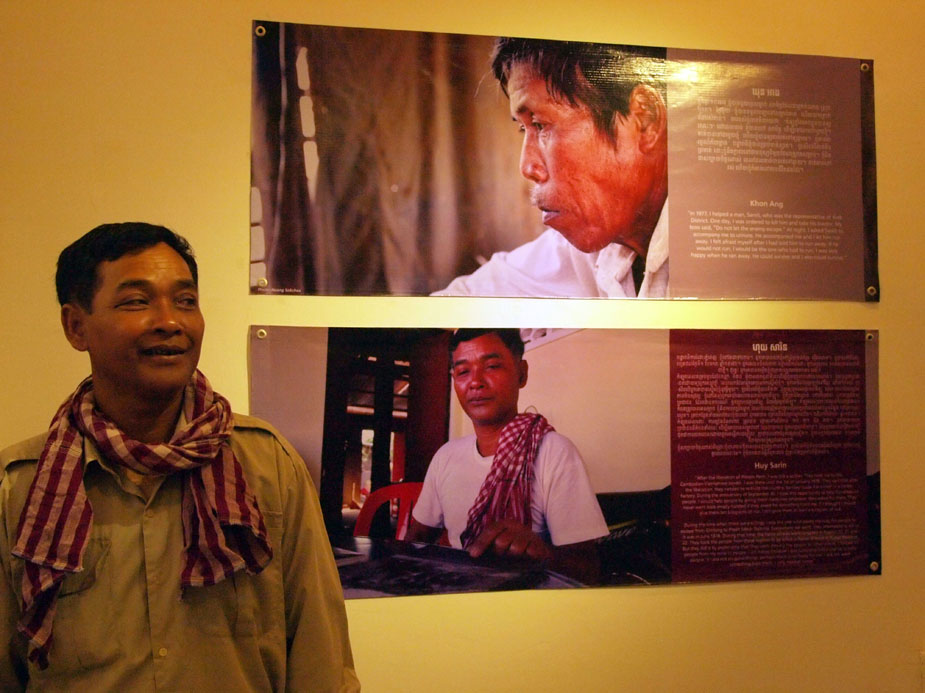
column 515, row 487
column 595, row 147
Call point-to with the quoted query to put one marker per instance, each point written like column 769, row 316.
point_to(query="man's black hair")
column 599, row 75
column 77, row 280
column 510, row 337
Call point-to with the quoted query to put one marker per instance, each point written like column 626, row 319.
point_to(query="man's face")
column 487, row 379
column 144, row 331
column 588, row 187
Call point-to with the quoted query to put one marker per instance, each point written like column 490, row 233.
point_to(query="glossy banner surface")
column 712, row 454
column 387, row 162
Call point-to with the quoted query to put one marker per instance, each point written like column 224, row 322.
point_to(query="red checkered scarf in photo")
column 505, row 493
column 223, row 529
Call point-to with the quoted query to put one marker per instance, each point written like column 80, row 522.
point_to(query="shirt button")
column 149, row 514
column 162, row 652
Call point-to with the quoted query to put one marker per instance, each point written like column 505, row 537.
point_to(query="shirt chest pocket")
column 238, row 605
column 84, row 628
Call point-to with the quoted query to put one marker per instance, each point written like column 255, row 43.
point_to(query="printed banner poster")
column 447, row 462
column 414, row 163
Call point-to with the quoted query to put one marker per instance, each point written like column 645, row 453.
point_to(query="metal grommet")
column 871, row 290
column 261, row 333
column 262, row 282
column 869, row 336
column 260, row 30
column 874, row 566
column 865, row 67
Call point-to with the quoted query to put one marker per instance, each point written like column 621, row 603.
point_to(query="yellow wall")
column 116, row 110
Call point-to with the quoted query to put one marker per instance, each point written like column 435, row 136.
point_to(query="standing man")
column 515, row 487
column 151, row 539
column 595, row 147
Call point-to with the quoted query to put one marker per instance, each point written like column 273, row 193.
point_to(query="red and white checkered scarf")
column 223, row 529
column 505, row 493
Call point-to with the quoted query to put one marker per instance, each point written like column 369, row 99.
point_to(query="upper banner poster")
column 414, row 163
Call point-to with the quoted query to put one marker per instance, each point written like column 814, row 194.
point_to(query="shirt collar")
column 613, row 264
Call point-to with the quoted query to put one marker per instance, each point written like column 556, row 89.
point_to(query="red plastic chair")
column 405, row 493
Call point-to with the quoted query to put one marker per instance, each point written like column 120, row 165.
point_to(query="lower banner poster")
column 472, row 460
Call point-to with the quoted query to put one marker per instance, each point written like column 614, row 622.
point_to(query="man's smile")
column 163, row 350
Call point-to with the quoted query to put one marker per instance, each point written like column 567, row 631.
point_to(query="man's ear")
column 74, row 322
column 523, row 373
column 648, row 110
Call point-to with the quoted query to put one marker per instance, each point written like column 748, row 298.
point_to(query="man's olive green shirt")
column 124, row 624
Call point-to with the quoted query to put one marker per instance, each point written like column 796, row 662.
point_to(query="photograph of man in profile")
column 595, row 147
column 152, row 539
column 515, row 487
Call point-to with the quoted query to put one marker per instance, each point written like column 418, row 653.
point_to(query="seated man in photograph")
column 595, row 147
column 152, row 539
column 515, row 487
